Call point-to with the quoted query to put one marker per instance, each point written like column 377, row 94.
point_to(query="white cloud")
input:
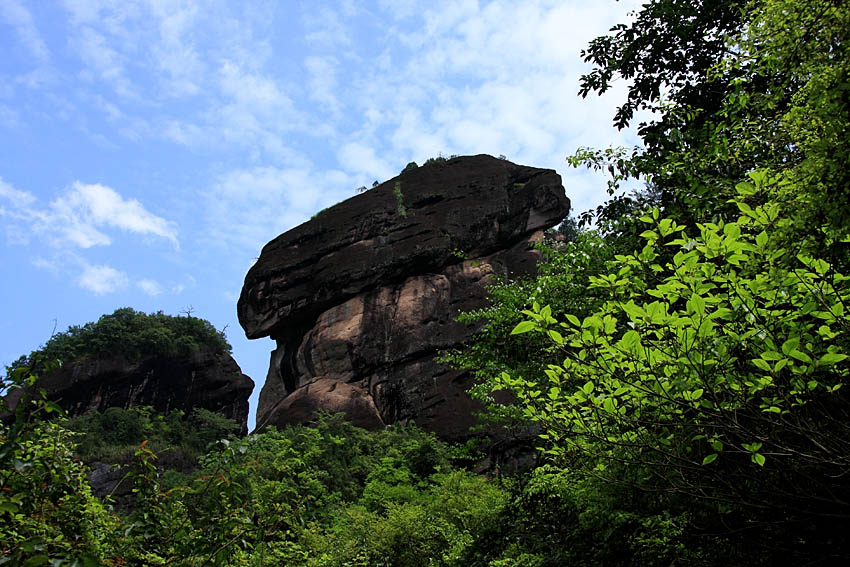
column 82, row 211
column 83, row 11
column 81, row 215
column 254, row 106
column 107, row 62
column 102, row 279
column 248, row 207
column 325, row 27
column 322, row 73
column 19, row 199
column 499, row 77
column 17, row 16
column 45, row 264
column 362, row 160
column 251, row 88
column 37, row 78
column 248, row 110
column 150, row 287
column 174, row 53
column 401, row 9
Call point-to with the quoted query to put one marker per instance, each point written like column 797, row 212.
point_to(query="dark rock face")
column 360, row 299
column 203, row 379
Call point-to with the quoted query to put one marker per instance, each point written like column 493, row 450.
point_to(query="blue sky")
column 149, row 149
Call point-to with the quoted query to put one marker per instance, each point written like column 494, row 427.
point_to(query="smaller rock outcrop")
column 200, row 379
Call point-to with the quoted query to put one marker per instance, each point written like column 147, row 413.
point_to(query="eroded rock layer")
column 361, row 298
column 203, row 379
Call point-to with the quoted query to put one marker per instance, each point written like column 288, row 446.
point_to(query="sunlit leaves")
column 662, row 348
column 523, row 327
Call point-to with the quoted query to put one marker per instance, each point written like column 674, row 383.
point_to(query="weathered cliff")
column 201, row 379
column 361, row 298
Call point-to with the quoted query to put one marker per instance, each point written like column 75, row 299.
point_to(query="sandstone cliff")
column 202, row 379
column 361, row 298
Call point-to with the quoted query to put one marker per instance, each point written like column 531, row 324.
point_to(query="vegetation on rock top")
column 131, row 334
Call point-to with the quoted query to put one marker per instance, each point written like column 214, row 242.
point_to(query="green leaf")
column 696, row 394
column 696, row 304
column 610, row 325
column 630, row 339
column 758, row 459
column 790, row 346
column 761, row 364
column 588, row 387
column 831, row 358
column 732, row 230
column 608, row 405
column 801, row 356
column 709, row 459
column 771, row 355
column 523, row 327
column 745, row 188
column 573, row 320
column 634, row 312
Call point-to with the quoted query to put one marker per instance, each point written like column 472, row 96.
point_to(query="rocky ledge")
column 202, row 379
column 361, row 298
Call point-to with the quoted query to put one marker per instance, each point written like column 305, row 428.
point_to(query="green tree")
column 719, row 374
column 734, row 86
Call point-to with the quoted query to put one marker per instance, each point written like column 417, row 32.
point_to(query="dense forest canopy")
column 682, row 365
column 131, row 334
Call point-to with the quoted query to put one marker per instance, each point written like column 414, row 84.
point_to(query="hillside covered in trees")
column 131, row 334
column 683, row 358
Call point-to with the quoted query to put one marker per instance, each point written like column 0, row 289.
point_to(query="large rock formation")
column 202, row 379
column 362, row 297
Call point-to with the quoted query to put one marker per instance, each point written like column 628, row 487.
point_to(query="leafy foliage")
column 47, row 512
column 113, row 435
column 688, row 361
column 324, row 495
column 562, row 281
column 399, row 199
column 132, row 334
